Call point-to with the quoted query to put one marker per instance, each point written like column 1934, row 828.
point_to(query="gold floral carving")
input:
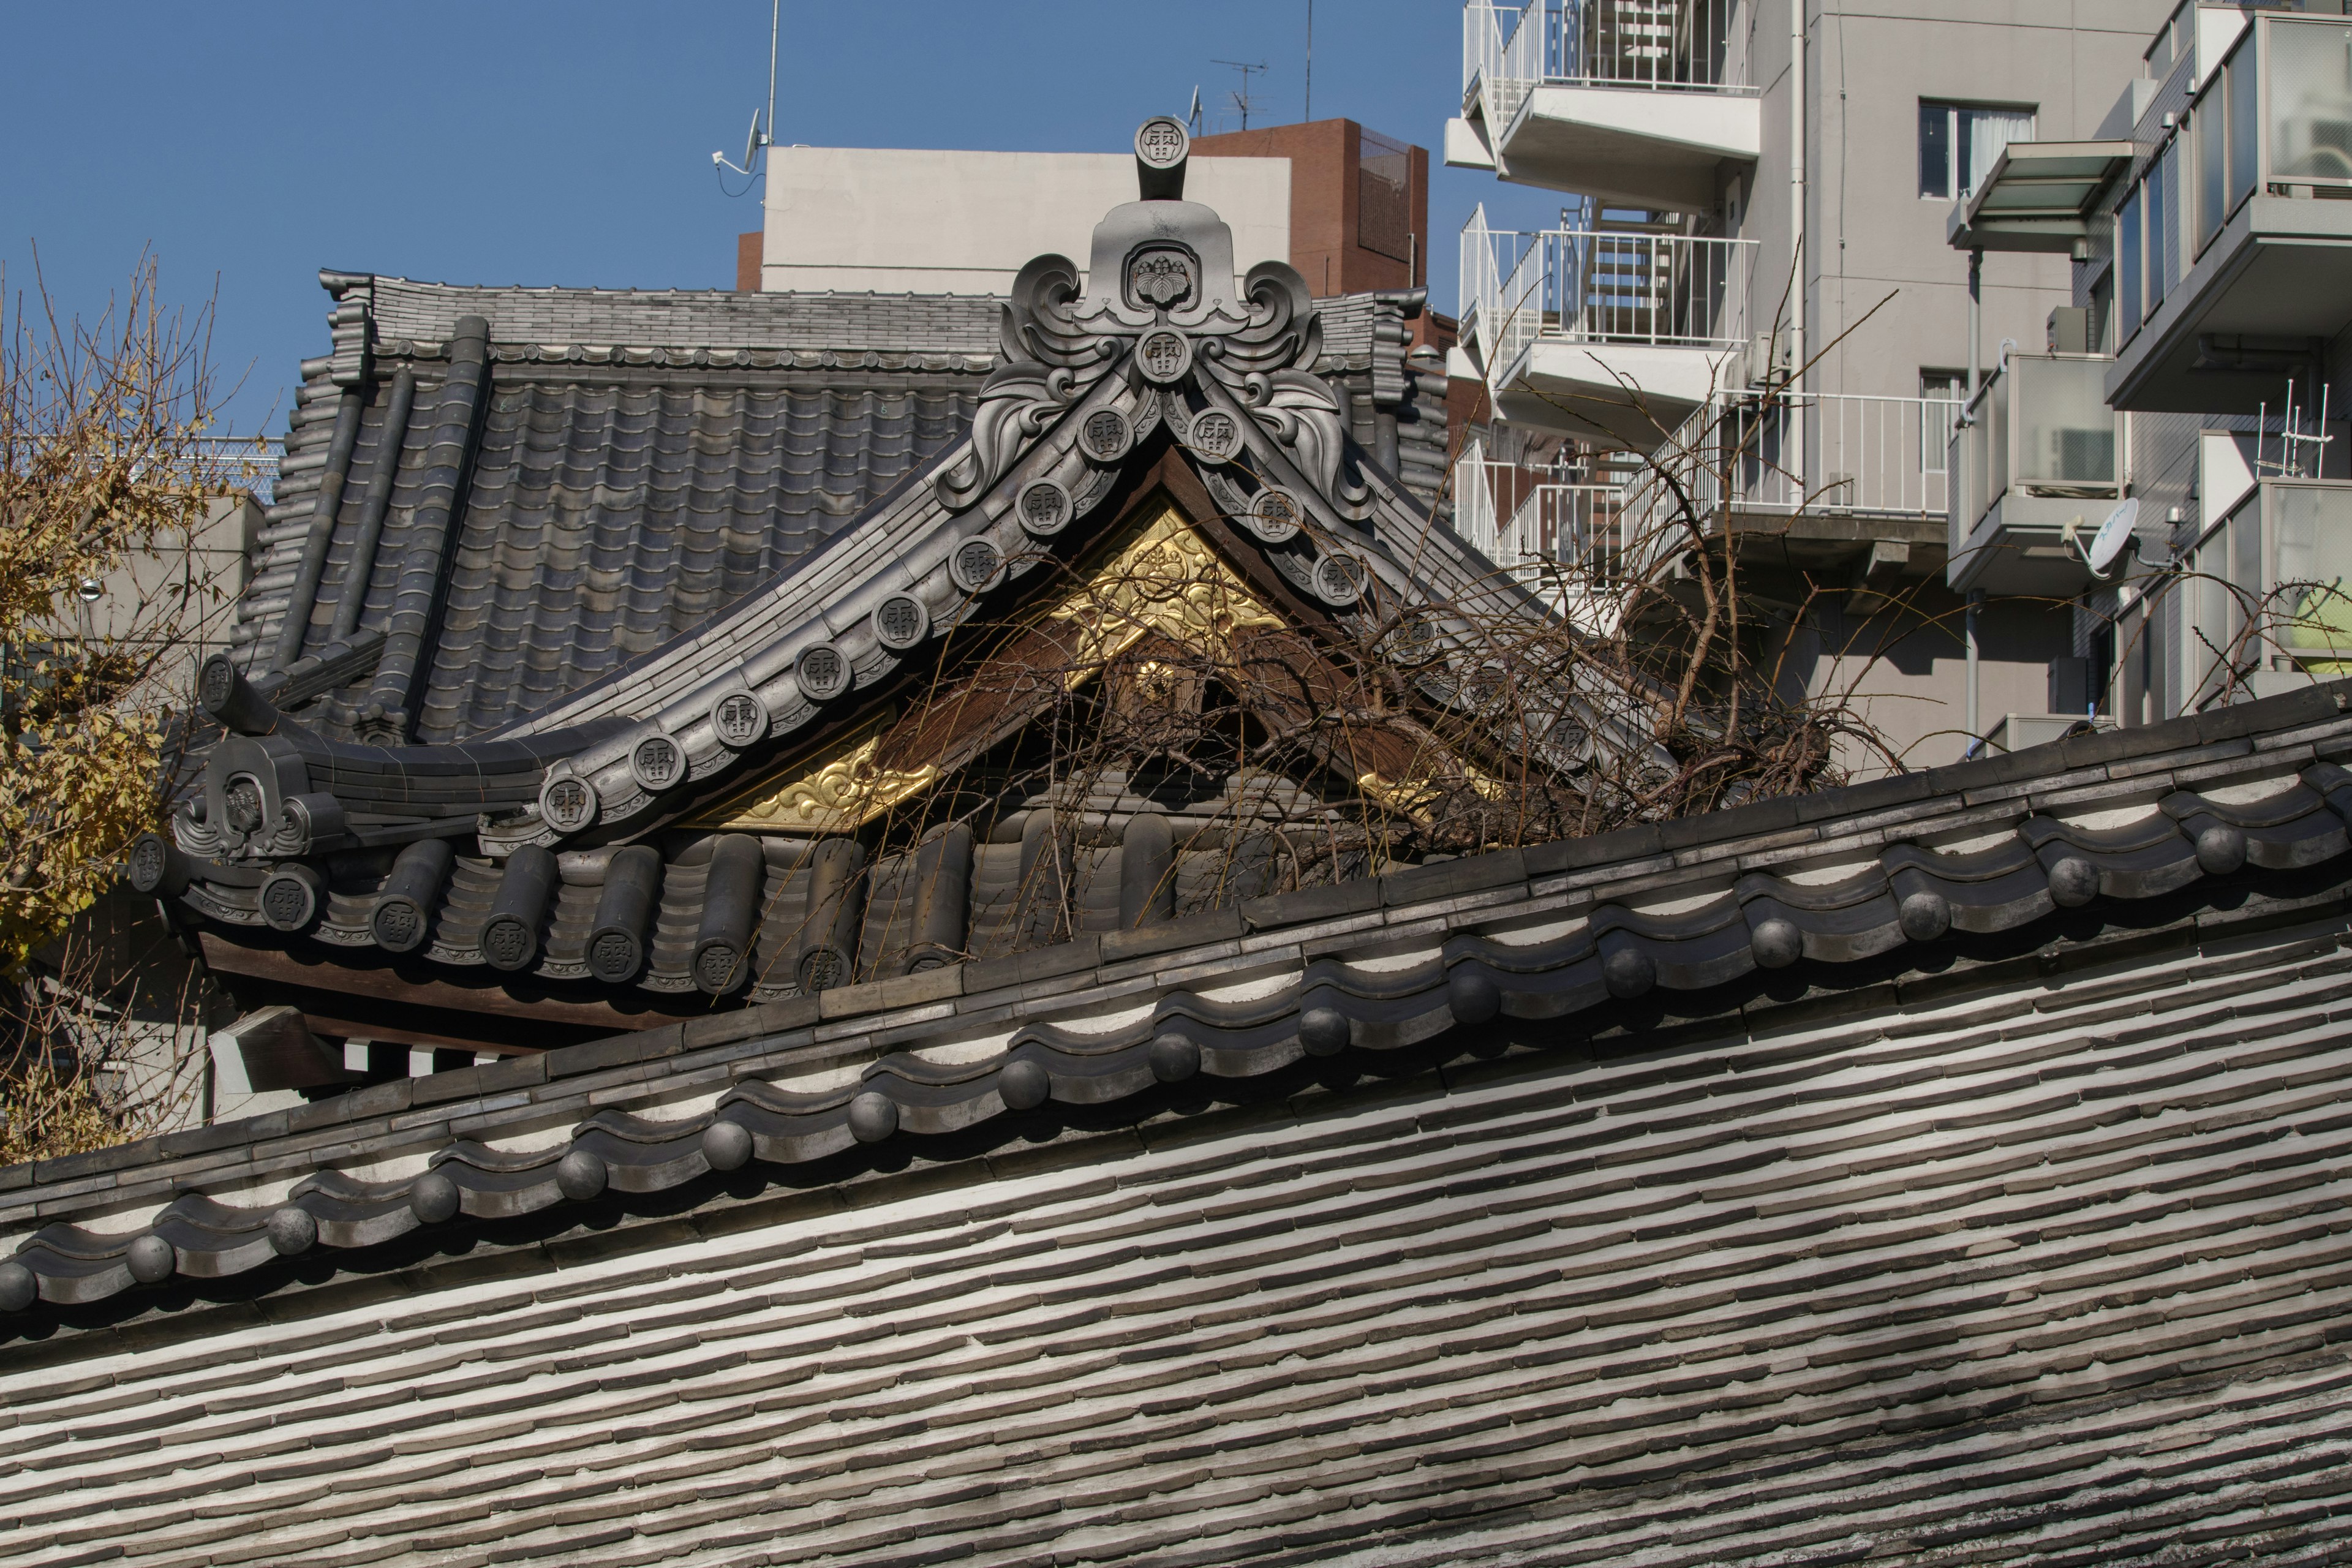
column 1166, row 579
column 842, row 793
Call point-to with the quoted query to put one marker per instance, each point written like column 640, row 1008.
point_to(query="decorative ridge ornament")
column 1161, row 297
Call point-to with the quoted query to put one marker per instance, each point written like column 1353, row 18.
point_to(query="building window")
column 1941, row 393
column 1959, row 141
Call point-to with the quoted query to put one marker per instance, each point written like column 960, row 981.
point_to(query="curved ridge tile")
column 2284, row 832
column 1981, row 891
column 1866, row 882
column 2136, row 860
column 1714, row 956
column 1840, row 934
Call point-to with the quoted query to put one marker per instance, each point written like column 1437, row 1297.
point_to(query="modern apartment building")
column 1753, row 286
column 2215, row 278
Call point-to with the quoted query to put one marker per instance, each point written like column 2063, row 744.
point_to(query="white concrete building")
column 1755, row 259
column 894, row 221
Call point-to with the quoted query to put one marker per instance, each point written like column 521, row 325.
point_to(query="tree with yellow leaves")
column 106, row 593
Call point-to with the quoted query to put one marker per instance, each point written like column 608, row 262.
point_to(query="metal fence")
column 1600, row 286
column 1664, row 44
column 241, row 462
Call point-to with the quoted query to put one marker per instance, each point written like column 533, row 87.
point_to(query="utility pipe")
column 1975, row 734
column 1797, row 181
column 1975, row 322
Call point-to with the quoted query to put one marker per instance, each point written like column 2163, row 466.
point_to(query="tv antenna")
column 1241, row 95
column 2293, row 437
column 757, row 138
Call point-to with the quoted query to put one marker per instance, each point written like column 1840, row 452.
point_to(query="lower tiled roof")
column 1992, row 1270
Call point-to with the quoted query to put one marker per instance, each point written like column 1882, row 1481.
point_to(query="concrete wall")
column 1885, row 296
column 896, row 221
column 1872, row 235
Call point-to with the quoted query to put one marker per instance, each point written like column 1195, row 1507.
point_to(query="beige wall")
column 897, row 222
column 1871, row 234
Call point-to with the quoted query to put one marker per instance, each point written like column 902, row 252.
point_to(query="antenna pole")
column 775, row 24
column 1310, row 113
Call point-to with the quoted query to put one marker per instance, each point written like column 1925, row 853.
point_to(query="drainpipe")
column 1975, row 734
column 1797, row 210
column 1976, row 321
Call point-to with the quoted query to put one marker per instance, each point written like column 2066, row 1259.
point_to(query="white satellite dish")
column 2108, row 544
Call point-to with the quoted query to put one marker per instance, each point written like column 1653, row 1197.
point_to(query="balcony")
column 2268, row 593
column 1558, row 538
column 1848, row 491
column 1615, row 337
column 2233, row 252
column 2037, row 463
column 1632, row 101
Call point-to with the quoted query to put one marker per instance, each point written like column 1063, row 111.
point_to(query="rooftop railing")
column 1663, row 44
column 1600, row 286
column 240, row 462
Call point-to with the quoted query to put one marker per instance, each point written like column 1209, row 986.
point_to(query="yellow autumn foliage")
column 103, row 490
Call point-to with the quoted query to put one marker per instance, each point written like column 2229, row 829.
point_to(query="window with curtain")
column 1959, row 142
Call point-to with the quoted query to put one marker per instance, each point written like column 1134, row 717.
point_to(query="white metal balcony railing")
column 1783, row 455
column 1531, row 522
column 1596, row 42
column 1599, row 286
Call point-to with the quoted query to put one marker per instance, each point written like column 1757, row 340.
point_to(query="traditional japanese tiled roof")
column 622, row 598
column 1502, row 1205
column 618, row 465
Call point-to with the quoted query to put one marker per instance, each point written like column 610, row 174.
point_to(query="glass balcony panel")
column 2245, row 124
column 2310, row 99
column 2128, row 267
column 2313, row 604
column 1997, row 447
column 2212, row 125
column 2065, row 432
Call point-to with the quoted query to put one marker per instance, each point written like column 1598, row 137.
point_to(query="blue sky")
column 500, row 141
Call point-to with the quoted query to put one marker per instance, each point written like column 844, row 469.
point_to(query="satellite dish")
column 752, row 142
column 2108, row 544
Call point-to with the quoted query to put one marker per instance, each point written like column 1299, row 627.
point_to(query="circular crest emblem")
column 738, row 718
column 1162, row 142
column 977, row 565
column 823, row 672
column 656, row 762
column 1045, row 507
column 289, row 899
column 1214, row 435
column 1164, row 356
column 1272, row 516
column 219, row 681
column 567, row 804
column 820, row 969
column 149, row 862
column 1105, row 434
column 900, row 622
column 1338, row 580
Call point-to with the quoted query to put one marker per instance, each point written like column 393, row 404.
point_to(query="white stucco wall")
column 898, row 221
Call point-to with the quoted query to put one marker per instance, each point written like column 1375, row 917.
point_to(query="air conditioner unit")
column 1766, row 362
